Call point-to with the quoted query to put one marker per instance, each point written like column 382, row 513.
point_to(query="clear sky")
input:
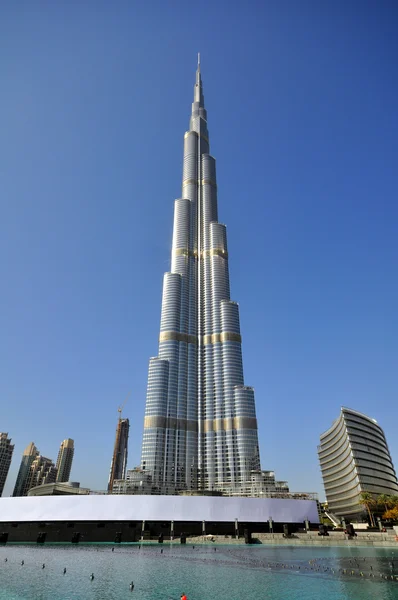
column 302, row 102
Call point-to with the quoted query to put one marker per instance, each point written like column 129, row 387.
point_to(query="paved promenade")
column 335, row 538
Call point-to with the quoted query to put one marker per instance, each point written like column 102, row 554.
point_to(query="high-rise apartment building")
column 355, row 458
column 64, row 460
column 200, row 428
column 6, row 450
column 120, row 451
column 42, row 470
column 34, row 470
column 29, row 454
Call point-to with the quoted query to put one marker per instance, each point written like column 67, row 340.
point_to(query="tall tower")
column 64, row 460
column 119, row 458
column 200, row 428
column 6, row 450
column 22, row 483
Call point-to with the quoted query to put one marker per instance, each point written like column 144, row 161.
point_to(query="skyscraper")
column 28, row 456
column 120, row 451
column 355, row 458
column 6, row 450
column 64, row 460
column 200, row 428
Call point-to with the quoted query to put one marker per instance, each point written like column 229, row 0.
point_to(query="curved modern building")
column 200, row 429
column 355, row 458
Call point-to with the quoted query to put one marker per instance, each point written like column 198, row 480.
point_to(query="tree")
column 391, row 514
column 385, row 501
column 366, row 499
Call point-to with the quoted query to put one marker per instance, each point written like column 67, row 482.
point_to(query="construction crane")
column 120, row 408
column 116, row 458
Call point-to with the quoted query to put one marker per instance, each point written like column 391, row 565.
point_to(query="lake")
column 164, row 572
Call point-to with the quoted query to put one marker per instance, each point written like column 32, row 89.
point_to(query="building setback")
column 21, row 486
column 200, row 428
column 64, row 460
column 354, row 458
column 6, row 450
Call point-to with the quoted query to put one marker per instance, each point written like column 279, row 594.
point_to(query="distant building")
column 355, row 458
column 42, row 470
column 260, row 484
column 137, row 481
column 64, row 460
column 29, row 454
column 6, row 450
column 119, row 458
column 263, row 484
column 58, row 489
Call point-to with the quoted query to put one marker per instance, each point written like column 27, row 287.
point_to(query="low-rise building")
column 58, row 489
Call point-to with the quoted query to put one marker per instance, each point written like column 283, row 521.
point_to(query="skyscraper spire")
column 198, row 93
column 200, row 429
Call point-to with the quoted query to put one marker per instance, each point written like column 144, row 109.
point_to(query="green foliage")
column 367, row 500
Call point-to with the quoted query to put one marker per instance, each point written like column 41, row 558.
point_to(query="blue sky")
column 302, row 103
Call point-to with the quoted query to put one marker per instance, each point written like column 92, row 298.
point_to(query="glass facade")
column 200, row 429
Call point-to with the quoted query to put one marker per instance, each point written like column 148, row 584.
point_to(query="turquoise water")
column 203, row 573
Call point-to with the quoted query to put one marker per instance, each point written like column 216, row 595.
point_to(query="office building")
column 28, row 456
column 200, row 428
column 120, row 452
column 64, row 460
column 6, row 450
column 354, row 458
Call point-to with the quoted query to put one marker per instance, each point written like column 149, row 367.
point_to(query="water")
column 203, row 573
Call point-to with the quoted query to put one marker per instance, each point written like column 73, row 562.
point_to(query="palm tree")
column 366, row 499
column 385, row 500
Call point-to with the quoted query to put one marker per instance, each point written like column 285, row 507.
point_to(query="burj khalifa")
column 200, row 427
